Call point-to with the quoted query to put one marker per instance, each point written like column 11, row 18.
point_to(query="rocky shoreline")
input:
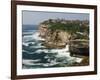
column 58, row 38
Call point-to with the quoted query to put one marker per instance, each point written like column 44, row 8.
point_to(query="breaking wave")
column 35, row 55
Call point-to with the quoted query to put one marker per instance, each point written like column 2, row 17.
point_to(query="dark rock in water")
column 79, row 47
column 79, row 51
column 84, row 62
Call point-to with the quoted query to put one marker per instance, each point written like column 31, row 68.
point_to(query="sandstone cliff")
column 54, row 39
column 65, row 32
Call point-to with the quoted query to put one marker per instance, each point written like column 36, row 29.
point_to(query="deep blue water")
column 29, row 27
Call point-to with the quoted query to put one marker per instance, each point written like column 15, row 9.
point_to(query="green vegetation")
column 71, row 28
column 77, row 29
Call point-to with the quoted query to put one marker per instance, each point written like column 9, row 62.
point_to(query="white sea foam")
column 27, row 38
column 29, row 62
column 39, row 46
column 37, row 37
column 50, row 64
column 62, row 52
column 25, row 44
column 36, row 45
column 41, row 50
column 28, row 33
column 78, row 60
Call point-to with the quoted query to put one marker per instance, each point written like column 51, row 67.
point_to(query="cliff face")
column 54, row 38
column 59, row 33
column 43, row 30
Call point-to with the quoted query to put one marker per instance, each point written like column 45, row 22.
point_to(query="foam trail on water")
column 62, row 52
column 37, row 37
column 33, row 44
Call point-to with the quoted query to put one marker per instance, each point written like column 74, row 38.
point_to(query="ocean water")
column 35, row 55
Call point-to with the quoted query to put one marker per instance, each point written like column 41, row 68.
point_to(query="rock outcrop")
column 57, row 37
column 79, row 48
column 43, row 30
column 54, row 39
